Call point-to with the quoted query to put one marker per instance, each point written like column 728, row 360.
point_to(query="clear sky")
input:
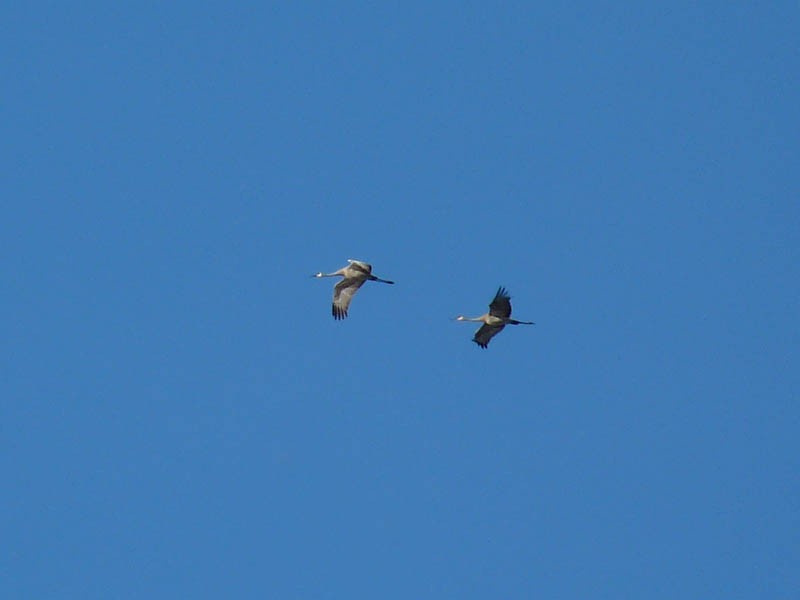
column 181, row 416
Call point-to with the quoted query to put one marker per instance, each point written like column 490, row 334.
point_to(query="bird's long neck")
column 473, row 319
column 337, row 274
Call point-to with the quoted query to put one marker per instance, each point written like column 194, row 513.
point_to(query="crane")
column 495, row 320
column 354, row 275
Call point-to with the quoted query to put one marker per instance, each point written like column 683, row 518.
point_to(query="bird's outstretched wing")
column 360, row 265
column 486, row 333
column 343, row 293
column 501, row 305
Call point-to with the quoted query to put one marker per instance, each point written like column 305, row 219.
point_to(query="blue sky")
column 181, row 416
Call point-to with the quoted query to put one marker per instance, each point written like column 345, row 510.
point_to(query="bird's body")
column 495, row 320
column 353, row 277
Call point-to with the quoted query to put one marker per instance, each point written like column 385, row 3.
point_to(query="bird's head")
column 461, row 318
column 317, row 274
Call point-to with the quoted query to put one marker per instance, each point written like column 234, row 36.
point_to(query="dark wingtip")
column 338, row 313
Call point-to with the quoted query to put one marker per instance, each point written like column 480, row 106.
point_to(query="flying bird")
column 499, row 316
column 354, row 274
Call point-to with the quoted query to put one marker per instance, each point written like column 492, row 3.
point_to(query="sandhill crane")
column 493, row 322
column 355, row 274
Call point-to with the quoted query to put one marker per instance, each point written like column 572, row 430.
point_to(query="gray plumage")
column 495, row 320
column 353, row 277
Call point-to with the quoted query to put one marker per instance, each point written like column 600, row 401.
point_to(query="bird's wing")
column 486, row 333
column 360, row 266
column 501, row 305
column 343, row 293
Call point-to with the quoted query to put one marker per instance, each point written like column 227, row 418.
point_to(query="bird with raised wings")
column 495, row 320
column 354, row 275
